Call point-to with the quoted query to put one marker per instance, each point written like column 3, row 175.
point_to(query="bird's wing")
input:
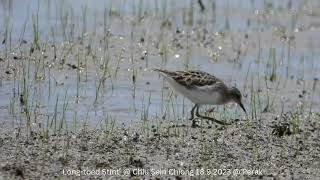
column 193, row 79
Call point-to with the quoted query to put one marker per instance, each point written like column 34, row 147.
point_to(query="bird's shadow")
column 194, row 124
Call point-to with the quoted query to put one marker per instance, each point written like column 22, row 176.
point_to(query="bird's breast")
column 203, row 95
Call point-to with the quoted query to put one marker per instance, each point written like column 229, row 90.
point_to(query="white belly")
column 198, row 96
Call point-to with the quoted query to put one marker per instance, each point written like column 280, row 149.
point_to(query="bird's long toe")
column 194, row 124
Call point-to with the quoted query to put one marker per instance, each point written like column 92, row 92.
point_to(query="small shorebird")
column 202, row 88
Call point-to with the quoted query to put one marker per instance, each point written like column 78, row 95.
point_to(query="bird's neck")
column 229, row 95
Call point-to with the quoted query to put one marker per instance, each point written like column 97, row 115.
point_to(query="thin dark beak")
column 241, row 105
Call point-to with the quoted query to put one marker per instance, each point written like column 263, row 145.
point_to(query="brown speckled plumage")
column 191, row 79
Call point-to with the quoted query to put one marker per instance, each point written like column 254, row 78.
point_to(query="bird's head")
column 235, row 96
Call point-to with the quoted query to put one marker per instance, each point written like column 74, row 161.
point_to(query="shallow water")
column 126, row 101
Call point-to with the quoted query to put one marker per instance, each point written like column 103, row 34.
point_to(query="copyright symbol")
column 126, row 172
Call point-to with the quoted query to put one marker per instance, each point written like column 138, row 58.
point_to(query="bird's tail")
column 164, row 72
column 158, row 70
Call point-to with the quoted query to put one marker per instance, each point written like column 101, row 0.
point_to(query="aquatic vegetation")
column 77, row 89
